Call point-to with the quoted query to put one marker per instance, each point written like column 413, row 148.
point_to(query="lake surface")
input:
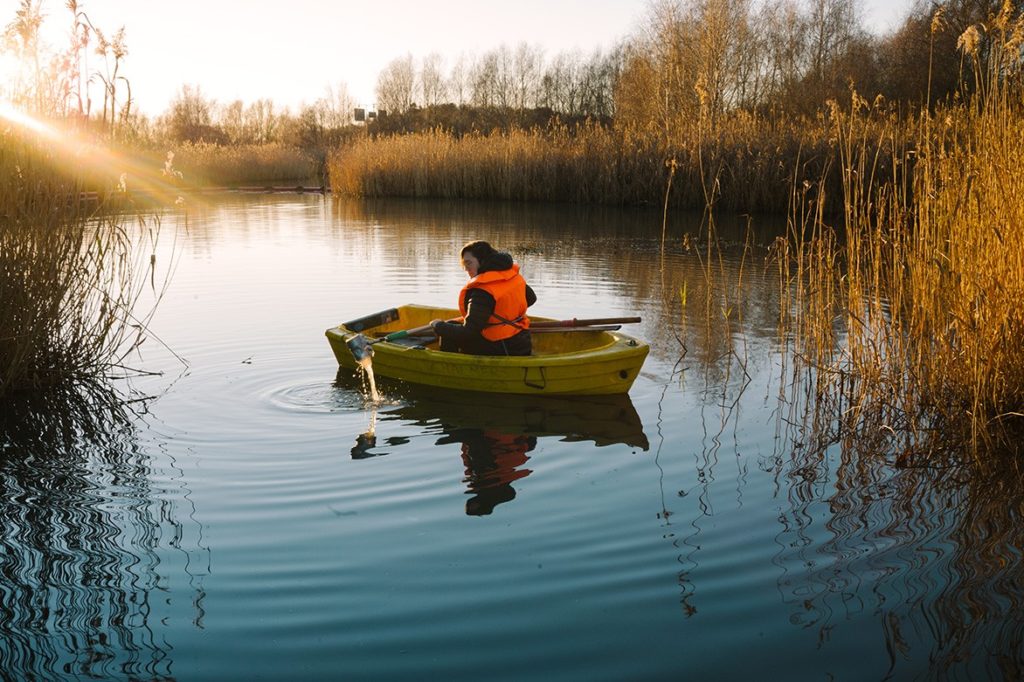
column 263, row 519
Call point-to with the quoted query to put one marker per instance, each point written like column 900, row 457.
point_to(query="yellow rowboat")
column 573, row 361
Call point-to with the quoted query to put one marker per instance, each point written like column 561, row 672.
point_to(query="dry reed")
column 926, row 277
column 70, row 276
column 210, row 165
column 744, row 161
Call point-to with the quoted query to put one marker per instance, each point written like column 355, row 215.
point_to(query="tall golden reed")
column 747, row 160
column 206, row 165
column 926, row 275
column 70, row 275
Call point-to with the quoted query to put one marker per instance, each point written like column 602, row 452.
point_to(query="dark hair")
column 482, row 250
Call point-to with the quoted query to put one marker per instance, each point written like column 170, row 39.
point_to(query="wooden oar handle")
column 586, row 328
column 584, row 323
column 593, row 324
column 429, row 333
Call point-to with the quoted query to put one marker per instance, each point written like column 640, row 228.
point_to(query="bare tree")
column 637, row 103
column 526, row 72
column 395, row 86
column 599, row 77
column 561, row 84
column 262, row 123
column 504, row 76
column 190, row 116
column 336, row 107
column 459, row 85
column 432, row 85
column 833, row 25
column 484, row 81
column 784, row 29
column 232, row 122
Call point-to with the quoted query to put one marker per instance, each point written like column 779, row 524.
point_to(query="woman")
column 493, row 305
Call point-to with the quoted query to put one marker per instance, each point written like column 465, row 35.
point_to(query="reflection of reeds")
column 931, row 281
column 69, row 277
column 82, row 530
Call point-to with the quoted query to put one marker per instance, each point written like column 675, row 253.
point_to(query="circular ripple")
column 323, row 397
column 316, row 397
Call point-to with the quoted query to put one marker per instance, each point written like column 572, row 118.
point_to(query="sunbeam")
column 95, row 159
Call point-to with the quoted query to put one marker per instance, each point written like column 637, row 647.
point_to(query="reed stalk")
column 743, row 160
column 926, row 271
column 206, row 165
column 71, row 272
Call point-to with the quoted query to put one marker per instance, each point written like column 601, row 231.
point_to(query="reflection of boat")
column 496, row 432
column 605, row 420
column 572, row 362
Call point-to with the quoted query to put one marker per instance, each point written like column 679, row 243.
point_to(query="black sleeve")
column 531, row 296
column 479, row 306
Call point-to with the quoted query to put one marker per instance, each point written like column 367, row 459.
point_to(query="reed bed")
column 925, row 276
column 745, row 162
column 211, row 165
column 71, row 273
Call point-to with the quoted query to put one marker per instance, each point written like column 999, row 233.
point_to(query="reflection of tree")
column 80, row 528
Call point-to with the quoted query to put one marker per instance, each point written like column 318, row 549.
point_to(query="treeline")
column 778, row 56
column 724, row 103
column 692, row 75
column 505, row 78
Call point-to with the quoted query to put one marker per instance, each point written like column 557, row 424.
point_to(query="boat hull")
column 564, row 363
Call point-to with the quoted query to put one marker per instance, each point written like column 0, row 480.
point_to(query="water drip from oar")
column 371, row 430
column 367, row 440
column 366, row 362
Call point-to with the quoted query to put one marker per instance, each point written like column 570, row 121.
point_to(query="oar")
column 583, row 323
column 579, row 328
column 360, row 345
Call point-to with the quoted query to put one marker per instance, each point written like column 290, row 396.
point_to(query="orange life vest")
column 509, row 291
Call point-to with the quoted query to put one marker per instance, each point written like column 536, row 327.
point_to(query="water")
column 266, row 518
column 366, row 364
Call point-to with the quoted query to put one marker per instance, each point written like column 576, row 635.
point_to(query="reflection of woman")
column 491, row 459
column 493, row 305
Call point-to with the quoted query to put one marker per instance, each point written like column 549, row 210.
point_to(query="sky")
column 291, row 51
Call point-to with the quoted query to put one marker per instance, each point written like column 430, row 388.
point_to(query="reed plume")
column 930, row 276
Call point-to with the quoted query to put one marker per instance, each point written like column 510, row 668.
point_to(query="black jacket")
column 467, row 337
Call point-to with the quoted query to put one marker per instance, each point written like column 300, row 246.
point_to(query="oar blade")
column 360, row 347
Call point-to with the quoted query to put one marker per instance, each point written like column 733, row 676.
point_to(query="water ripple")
column 314, row 397
column 81, row 540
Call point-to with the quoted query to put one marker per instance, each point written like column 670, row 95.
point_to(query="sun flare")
column 12, row 114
